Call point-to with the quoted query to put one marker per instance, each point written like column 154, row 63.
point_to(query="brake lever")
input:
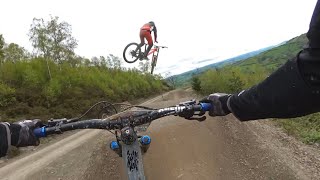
column 201, row 113
column 189, row 113
column 55, row 122
column 191, row 102
column 202, row 118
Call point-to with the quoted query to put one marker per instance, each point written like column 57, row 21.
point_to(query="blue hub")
column 145, row 140
column 114, row 145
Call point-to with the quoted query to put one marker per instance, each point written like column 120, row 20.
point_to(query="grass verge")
column 306, row 128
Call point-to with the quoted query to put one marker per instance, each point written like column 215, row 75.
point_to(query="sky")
column 197, row 32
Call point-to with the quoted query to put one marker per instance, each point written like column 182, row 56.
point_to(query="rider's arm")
column 292, row 91
column 17, row 134
column 3, row 139
column 314, row 29
column 288, row 92
column 9, row 135
column 155, row 33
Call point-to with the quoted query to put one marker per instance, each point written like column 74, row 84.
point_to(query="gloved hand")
column 219, row 104
column 22, row 133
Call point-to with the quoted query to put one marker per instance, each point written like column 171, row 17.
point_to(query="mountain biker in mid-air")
column 291, row 91
column 145, row 33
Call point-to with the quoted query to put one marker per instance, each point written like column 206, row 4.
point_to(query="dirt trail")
column 218, row 148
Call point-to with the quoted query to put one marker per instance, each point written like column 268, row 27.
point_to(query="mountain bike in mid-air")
column 127, row 126
column 132, row 53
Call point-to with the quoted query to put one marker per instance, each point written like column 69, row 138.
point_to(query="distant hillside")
column 185, row 77
column 275, row 57
column 270, row 58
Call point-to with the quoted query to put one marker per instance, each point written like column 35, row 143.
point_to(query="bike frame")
column 138, row 52
column 155, row 52
column 154, row 49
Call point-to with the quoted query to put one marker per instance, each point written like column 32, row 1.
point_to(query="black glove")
column 22, row 133
column 219, row 104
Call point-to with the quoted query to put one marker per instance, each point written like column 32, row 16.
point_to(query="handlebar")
column 185, row 109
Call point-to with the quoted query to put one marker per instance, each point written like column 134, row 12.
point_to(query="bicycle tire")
column 127, row 54
column 153, row 63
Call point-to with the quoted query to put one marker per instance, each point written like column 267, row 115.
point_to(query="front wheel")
column 131, row 52
column 153, row 63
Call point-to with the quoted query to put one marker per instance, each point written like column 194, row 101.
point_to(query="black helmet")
column 151, row 22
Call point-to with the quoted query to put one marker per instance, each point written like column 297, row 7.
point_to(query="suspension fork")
column 131, row 153
column 155, row 56
column 132, row 158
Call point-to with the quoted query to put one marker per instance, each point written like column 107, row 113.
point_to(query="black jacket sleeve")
column 314, row 33
column 12, row 130
column 291, row 91
column 155, row 33
column 3, row 141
